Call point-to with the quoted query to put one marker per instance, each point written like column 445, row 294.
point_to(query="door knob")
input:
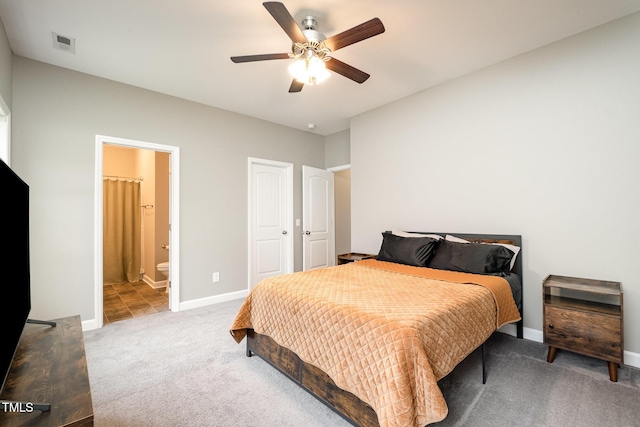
column 307, row 232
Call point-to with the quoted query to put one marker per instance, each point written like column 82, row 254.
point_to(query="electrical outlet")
column 216, row 277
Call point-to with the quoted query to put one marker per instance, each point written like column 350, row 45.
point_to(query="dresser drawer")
column 588, row 333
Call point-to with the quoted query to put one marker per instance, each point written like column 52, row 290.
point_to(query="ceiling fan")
column 312, row 50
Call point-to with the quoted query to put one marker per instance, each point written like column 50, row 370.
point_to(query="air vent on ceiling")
column 65, row 43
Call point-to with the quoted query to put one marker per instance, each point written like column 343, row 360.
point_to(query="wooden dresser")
column 584, row 316
column 50, row 367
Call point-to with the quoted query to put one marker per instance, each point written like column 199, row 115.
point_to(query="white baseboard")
column 89, row 325
column 630, row 358
column 527, row 333
column 533, row 335
column 155, row 285
column 216, row 299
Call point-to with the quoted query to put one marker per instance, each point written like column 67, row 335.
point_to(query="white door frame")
column 289, row 240
column 340, row 168
column 5, row 132
column 174, row 215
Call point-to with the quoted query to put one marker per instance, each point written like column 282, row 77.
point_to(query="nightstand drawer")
column 588, row 333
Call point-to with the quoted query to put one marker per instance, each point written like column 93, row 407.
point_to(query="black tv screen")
column 15, row 281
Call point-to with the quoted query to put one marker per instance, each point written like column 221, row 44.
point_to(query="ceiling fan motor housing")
column 314, row 45
column 309, row 24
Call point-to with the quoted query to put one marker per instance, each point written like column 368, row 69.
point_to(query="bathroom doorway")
column 133, row 278
column 136, row 232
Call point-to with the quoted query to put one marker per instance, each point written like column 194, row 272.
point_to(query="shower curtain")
column 121, row 230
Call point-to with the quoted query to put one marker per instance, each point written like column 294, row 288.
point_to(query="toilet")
column 163, row 268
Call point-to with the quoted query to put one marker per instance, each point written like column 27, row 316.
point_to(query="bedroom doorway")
column 5, row 132
column 270, row 219
column 143, row 157
column 342, row 196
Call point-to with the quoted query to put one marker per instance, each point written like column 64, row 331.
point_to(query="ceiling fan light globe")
column 315, row 65
column 298, row 69
column 317, row 70
column 311, row 71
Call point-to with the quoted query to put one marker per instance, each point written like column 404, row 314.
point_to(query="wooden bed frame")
column 321, row 386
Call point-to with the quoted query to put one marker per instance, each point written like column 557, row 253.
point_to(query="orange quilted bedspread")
column 385, row 332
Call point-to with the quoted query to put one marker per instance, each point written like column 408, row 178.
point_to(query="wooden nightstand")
column 584, row 316
column 353, row 256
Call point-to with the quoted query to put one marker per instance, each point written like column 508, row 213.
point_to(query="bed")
column 371, row 339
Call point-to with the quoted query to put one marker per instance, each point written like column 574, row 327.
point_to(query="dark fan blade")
column 296, row 86
column 286, row 21
column 354, row 35
column 265, row 57
column 347, row 70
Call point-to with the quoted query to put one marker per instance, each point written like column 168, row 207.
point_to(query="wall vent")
column 64, row 43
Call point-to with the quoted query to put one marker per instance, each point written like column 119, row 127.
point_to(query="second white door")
column 318, row 228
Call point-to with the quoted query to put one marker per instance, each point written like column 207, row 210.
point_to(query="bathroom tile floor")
column 132, row 299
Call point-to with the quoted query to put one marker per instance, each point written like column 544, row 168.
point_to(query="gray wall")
column 56, row 115
column 546, row 145
column 338, row 149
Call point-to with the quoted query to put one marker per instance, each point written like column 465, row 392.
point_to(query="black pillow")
column 414, row 251
column 442, row 258
column 474, row 258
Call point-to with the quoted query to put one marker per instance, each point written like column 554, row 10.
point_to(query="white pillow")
column 451, row 238
column 512, row 248
column 405, row 234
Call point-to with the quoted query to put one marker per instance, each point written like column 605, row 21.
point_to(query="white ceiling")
column 182, row 48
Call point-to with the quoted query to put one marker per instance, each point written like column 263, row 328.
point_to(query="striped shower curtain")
column 121, row 230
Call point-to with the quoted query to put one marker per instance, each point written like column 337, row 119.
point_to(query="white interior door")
column 271, row 243
column 318, row 218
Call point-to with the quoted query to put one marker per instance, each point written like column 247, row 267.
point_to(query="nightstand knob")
column 551, row 326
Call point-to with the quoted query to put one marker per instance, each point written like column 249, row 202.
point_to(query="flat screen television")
column 15, row 282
